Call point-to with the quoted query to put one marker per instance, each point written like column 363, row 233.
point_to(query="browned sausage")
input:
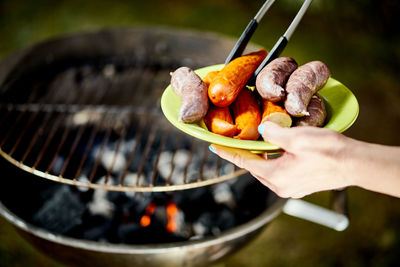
column 193, row 92
column 317, row 111
column 271, row 80
column 302, row 84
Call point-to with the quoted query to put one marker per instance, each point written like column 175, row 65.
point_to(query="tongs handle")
column 248, row 32
column 282, row 42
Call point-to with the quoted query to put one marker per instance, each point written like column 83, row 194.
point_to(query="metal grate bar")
column 31, row 119
column 178, row 143
column 5, row 116
column 73, row 147
column 38, row 133
column 146, row 151
column 161, row 147
column 87, row 149
column 100, row 154
column 192, row 145
column 137, row 138
column 218, row 167
column 12, row 128
column 73, row 108
column 48, row 140
column 62, row 141
column 203, row 163
column 118, row 146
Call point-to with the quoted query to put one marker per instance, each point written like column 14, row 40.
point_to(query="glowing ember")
column 150, row 208
column 145, row 220
column 172, row 211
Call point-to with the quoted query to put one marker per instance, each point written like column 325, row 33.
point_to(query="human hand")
column 313, row 160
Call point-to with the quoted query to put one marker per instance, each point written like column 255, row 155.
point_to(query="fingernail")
column 212, row 149
column 261, row 128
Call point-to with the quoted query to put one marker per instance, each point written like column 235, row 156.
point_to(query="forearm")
column 374, row 167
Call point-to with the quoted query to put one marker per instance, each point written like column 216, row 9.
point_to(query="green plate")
column 341, row 106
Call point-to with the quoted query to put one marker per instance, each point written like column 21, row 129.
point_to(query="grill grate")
column 100, row 126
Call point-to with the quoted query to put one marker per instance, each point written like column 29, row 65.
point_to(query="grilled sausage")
column 317, row 111
column 193, row 92
column 272, row 78
column 302, row 84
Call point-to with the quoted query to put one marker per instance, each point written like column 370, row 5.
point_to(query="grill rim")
column 122, row 188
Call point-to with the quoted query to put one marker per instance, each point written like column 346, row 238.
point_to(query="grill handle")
column 336, row 219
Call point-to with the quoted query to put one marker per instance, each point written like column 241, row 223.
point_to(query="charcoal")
column 96, row 227
column 224, row 219
column 251, row 197
column 204, row 224
column 62, row 212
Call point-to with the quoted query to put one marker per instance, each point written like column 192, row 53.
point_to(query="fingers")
column 276, row 134
column 241, row 158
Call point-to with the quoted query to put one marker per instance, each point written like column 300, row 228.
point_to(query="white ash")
column 180, row 162
column 165, row 166
column 100, row 205
column 222, row 194
column 111, row 159
column 227, row 169
column 199, row 230
column 181, row 158
column 109, row 71
column 83, row 179
column 128, row 147
column 131, row 180
column 182, row 228
column 209, row 172
column 58, row 165
column 84, row 117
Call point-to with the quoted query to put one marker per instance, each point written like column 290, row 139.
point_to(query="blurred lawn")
column 359, row 41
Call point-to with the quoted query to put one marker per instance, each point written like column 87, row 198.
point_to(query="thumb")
column 277, row 135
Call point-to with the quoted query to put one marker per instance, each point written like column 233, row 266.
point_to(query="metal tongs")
column 279, row 45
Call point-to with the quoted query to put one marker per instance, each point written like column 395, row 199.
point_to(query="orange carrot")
column 275, row 113
column 227, row 84
column 219, row 120
column 247, row 115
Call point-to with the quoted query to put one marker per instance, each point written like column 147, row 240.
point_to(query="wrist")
column 374, row 167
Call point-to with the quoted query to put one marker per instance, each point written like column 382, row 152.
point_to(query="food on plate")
column 227, row 84
column 317, row 111
column 271, row 80
column 219, row 120
column 247, row 115
column 209, row 77
column 286, row 94
column 193, row 92
column 275, row 113
column 302, row 84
